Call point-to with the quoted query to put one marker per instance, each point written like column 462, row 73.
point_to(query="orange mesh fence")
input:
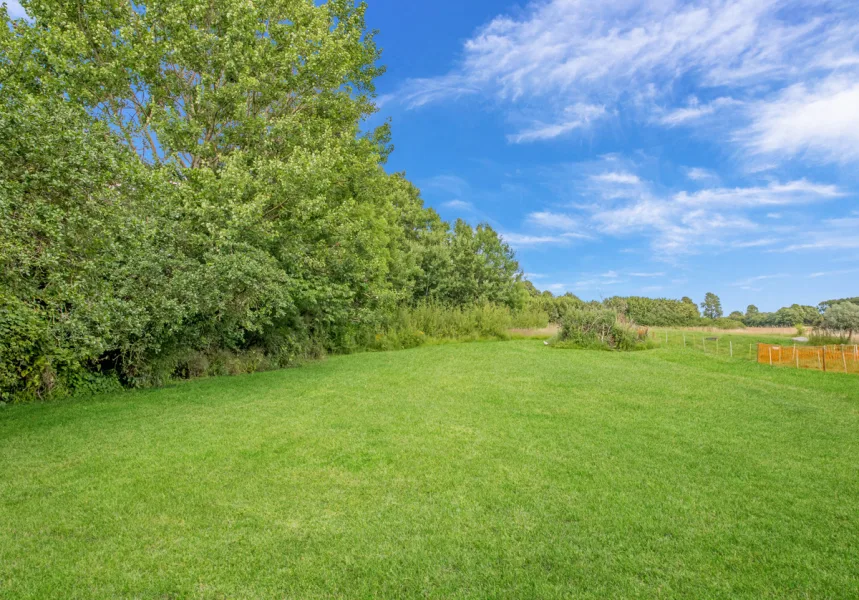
column 837, row 359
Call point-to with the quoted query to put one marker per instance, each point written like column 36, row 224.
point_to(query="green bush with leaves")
column 599, row 329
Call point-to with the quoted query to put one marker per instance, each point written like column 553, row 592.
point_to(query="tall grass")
column 430, row 322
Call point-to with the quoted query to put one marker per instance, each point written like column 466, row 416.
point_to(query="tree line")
column 189, row 183
column 665, row 312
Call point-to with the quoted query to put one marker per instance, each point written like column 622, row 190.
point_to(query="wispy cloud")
column 568, row 63
column 694, row 111
column 739, row 245
column 617, row 177
column 774, row 194
column 572, row 227
column 459, row 205
column 518, row 240
column 831, row 234
column 833, row 273
column 699, row 174
column 820, row 121
column 684, row 222
column 745, row 283
column 575, row 117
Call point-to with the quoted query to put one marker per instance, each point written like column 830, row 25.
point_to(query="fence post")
column 824, row 359
column 750, row 352
column 819, row 364
column 732, row 349
column 666, row 338
column 771, row 356
column 684, row 340
column 843, row 358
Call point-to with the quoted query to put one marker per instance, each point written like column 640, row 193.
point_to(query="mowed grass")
column 485, row 470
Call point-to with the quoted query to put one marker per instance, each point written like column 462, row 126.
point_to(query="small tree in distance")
column 843, row 317
column 752, row 310
column 712, row 306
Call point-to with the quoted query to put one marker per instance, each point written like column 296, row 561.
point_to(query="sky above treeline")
column 637, row 147
column 643, row 147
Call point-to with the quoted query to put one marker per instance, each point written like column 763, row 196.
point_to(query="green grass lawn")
column 485, row 470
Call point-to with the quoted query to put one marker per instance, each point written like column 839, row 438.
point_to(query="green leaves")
column 181, row 179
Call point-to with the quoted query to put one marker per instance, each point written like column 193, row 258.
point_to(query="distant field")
column 759, row 331
column 484, row 470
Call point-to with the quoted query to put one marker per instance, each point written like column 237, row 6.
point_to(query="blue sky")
column 648, row 147
column 638, row 147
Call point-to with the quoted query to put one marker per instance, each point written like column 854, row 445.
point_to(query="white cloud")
column 694, row 112
column 794, row 192
column 686, row 222
column 647, row 274
column 459, row 205
column 819, row 121
column 768, row 55
column 699, row 174
column 550, row 220
column 617, row 177
column 575, row 117
column 518, row 240
column 831, row 235
column 745, row 283
column 754, row 243
column 833, row 273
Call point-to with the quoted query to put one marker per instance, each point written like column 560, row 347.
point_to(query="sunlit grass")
column 490, row 470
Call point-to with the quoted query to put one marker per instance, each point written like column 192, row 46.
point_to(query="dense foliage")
column 788, row 316
column 186, row 186
column 656, row 312
column 842, row 319
column 599, row 328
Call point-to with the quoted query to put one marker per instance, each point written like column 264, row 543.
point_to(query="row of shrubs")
column 406, row 327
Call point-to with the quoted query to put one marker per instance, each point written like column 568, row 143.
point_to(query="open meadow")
column 483, row 470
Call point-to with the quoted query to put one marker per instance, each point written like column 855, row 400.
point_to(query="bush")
column 599, row 329
column 723, row 323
